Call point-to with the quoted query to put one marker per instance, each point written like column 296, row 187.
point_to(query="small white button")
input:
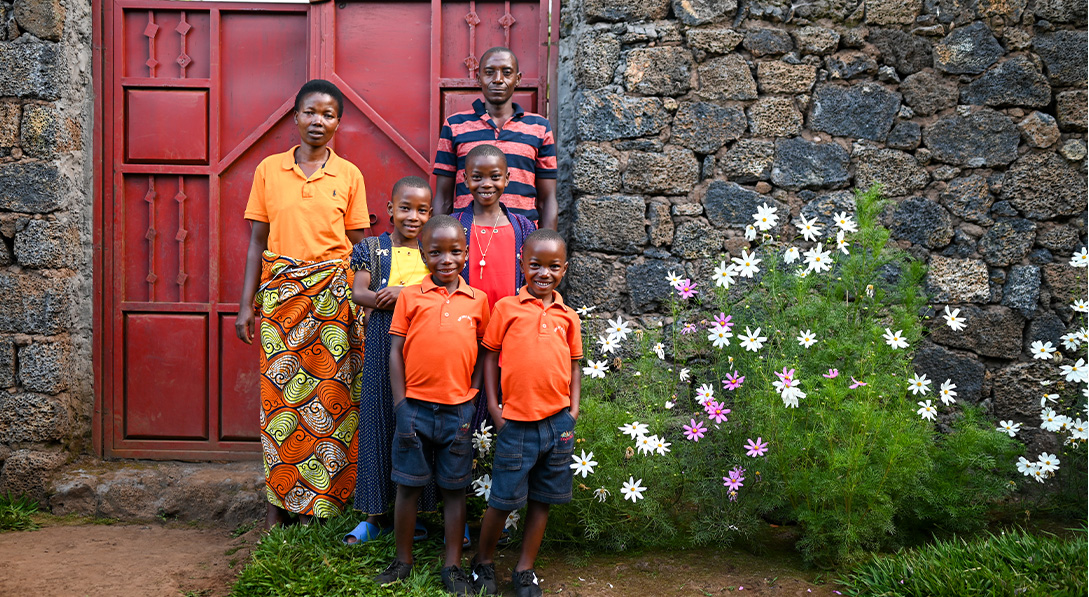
column 446, row 315
column 543, row 325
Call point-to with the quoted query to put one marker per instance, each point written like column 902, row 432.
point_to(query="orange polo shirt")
column 308, row 217
column 537, row 346
column 441, row 333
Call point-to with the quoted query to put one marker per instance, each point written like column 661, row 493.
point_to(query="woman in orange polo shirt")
column 306, row 209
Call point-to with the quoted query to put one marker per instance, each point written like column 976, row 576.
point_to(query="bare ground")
column 79, row 558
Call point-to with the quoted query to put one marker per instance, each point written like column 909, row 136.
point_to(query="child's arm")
column 361, row 291
column 576, row 388
column 386, row 298
column 397, row 368
column 491, row 386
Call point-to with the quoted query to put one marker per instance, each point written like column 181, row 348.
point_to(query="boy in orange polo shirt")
column 435, row 375
column 540, row 341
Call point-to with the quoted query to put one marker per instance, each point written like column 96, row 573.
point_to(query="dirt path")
column 120, row 560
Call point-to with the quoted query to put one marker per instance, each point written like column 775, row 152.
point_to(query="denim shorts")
column 433, row 439
column 533, row 460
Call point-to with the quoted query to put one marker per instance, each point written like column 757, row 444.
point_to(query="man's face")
column 498, row 77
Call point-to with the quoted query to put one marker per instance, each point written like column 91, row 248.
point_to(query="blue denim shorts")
column 433, row 439
column 533, row 460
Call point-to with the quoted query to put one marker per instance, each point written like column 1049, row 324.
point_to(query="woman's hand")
column 243, row 325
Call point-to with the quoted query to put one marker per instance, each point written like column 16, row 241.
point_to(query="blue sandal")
column 466, row 542
column 420, row 533
column 365, row 531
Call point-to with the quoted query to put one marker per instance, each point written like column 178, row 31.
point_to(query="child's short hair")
column 320, row 86
column 411, row 182
column 544, row 235
column 438, row 222
column 486, row 150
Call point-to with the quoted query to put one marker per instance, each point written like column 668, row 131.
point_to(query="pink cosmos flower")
column 695, row 431
column 733, row 382
column 856, row 383
column 716, row 411
column 689, row 328
column 785, row 375
column 757, row 448
column 686, row 289
column 732, row 483
column 733, row 495
column 723, row 320
column 832, row 374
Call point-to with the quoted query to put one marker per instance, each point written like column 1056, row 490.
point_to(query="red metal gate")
column 192, row 95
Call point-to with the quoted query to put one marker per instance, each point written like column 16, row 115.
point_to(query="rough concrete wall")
column 46, row 112
column 682, row 117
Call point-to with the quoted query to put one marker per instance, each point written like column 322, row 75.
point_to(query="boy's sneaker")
column 484, row 578
column 397, row 570
column 526, row 584
column 455, row 581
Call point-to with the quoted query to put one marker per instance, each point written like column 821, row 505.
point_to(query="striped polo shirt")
column 526, row 140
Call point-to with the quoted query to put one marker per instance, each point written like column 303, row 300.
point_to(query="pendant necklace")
column 411, row 273
column 495, row 230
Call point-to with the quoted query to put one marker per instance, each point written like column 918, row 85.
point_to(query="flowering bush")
column 779, row 391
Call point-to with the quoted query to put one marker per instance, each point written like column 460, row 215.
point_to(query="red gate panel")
column 194, row 96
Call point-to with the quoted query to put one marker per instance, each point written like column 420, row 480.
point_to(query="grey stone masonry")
column 46, row 198
column 971, row 115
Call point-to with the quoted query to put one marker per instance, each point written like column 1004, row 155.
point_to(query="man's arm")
column 547, row 209
column 443, row 202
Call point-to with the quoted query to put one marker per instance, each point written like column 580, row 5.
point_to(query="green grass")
column 1011, row 563
column 16, row 513
column 303, row 561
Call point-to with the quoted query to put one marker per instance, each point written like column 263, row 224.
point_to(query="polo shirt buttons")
column 446, row 315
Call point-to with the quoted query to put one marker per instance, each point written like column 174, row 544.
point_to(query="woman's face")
column 317, row 119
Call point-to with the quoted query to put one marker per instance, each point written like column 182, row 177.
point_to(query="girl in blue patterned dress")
column 384, row 265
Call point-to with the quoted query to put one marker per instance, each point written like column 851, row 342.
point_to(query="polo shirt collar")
column 428, row 285
column 482, row 112
column 332, row 165
column 525, row 296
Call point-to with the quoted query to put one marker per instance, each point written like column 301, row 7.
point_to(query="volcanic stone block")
column 26, row 472
column 7, row 362
column 43, row 19
column 969, row 199
column 593, row 280
column 765, row 41
column 801, row 164
column 615, row 223
column 713, row 41
column 1062, row 239
column 596, row 171
column 1015, row 82
column 673, row 172
column 624, row 10
column 749, row 160
column 660, row 222
column 595, row 60
column 1073, row 150
column 647, row 284
column 1070, row 109
column 906, row 53
column 701, row 12
column 905, row 135
column 928, row 93
column 726, row 78
column 897, row 172
column 1018, row 389
column 957, row 280
column 1061, row 11
column 659, row 71
column 44, row 131
column 606, row 116
column 991, row 332
column 983, row 139
column 774, row 117
column 704, row 127
column 940, row 364
column 1008, row 241
column 29, row 68
column 816, row 40
column 825, row 207
column 923, row 222
column 967, row 50
column 728, row 204
column 36, row 304
column 1065, row 282
column 10, row 113
column 1044, row 186
column 864, row 111
column 45, row 366
column 1022, row 289
column 1039, row 129
column 781, row 77
column 1064, row 56
column 892, row 12
column 849, row 64
column 28, row 417
column 47, row 244
column 696, row 239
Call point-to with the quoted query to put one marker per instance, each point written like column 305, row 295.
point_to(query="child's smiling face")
column 445, row 254
column 544, row 264
column 486, row 177
column 410, row 208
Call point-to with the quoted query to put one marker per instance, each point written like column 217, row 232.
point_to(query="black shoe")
column 455, row 581
column 484, row 578
column 397, row 570
column 526, row 584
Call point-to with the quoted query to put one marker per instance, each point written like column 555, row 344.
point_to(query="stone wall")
column 679, row 118
column 46, row 112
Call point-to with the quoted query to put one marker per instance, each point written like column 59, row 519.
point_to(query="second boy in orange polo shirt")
column 434, row 375
column 540, row 340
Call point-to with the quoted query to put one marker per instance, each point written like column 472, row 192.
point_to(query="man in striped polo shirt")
column 526, row 139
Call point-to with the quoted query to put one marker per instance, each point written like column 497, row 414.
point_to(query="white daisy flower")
column 704, row 393
column 1050, row 420
column 601, row 494
column 719, row 336
column 752, row 341
column 1071, row 341
column 1080, row 306
column 632, row 489
column 765, row 217
column 595, row 369
column 750, row 233
column 583, row 311
column 841, row 243
column 646, row 443
column 919, row 385
column 1049, row 463
column 684, row 374
column 1076, row 372
column 1026, row 466
column 791, row 255
column 1041, row 350
column 845, row 222
column 1009, row 427
column 746, row 264
column 618, row 328
column 483, row 486
column 808, row 228
column 1079, row 430
column 661, row 446
column 724, row 275
column 608, row 344
column 927, row 411
column 673, row 279
column 948, row 392
column 817, row 260
column 1080, row 258
column 953, row 319
column 806, row 339
column 659, row 349
column 635, row 429
column 895, row 339
column 512, row 520
column 583, row 464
